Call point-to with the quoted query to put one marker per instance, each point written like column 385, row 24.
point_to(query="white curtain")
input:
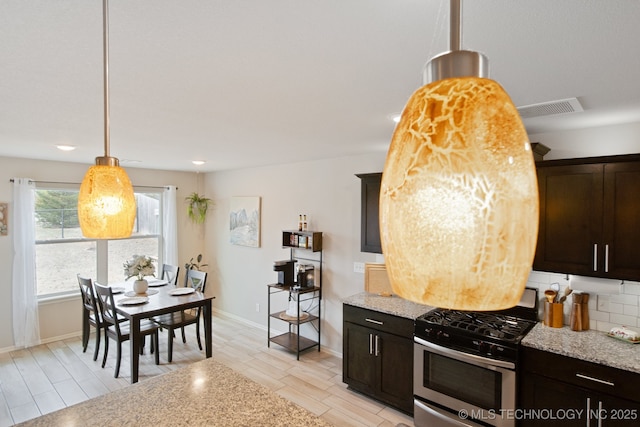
column 26, row 328
column 170, row 225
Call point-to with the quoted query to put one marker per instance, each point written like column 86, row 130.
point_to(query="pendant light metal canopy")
column 106, row 203
column 459, row 197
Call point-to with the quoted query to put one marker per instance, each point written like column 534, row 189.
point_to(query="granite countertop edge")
column 591, row 346
column 393, row 305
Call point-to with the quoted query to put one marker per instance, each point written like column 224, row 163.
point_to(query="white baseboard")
column 215, row 310
column 44, row 341
column 239, row 319
column 264, row 328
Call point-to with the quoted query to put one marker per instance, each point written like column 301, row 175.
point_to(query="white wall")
column 591, row 142
column 329, row 193
column 62, row 318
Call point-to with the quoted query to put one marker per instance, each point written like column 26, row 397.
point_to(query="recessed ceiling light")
column 198, row 162
column 66, row 147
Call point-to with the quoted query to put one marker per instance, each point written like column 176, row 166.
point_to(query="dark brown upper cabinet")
column 590, row 217
column 369, row 212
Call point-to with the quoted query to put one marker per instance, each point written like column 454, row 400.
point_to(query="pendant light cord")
column 455, row 28
column 105, row 57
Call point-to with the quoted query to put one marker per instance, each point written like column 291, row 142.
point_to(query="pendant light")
column 459, row 197
column 106, row 203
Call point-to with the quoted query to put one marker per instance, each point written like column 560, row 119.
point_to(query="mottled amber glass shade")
column 459, row 198
column 106, row 203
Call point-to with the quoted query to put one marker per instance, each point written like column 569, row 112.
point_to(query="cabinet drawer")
column 379, row 321
column 613, row 381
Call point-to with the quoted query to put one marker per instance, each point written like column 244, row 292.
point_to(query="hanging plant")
column 197, row 207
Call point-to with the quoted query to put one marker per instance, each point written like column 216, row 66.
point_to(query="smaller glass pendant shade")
column 459, row 198
column 106, row 203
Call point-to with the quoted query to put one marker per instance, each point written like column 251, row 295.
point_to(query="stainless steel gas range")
column 465, row 364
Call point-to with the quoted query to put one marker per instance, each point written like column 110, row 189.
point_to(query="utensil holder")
column 553, row 314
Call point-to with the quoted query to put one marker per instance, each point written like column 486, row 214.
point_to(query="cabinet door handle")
column 606, row 258
column 377, row 322
column 588, row 411
column 377, row 345
column 600, row 414
column 370, row 343
column 595, row 257
column 598, row 380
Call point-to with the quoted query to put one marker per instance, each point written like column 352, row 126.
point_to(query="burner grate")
column 495, row 325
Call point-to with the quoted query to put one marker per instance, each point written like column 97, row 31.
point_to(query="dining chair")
column 178, row 320
column 170, row 273
column 118, row 330
column 90, row 314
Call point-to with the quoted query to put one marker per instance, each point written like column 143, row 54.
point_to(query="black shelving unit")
column 304, row 246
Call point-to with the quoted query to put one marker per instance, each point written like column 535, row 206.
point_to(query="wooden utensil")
column 567, row 292
column 550, row 295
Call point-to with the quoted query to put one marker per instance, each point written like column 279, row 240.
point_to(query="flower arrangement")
column 140, row 266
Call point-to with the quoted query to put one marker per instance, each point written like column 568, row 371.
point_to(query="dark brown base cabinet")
column 378, row 356
column 589, row 214
column 559, row 390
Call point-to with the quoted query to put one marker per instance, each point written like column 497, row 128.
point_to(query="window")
column 62, row 252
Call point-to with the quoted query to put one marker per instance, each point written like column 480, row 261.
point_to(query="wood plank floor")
column 49, row 377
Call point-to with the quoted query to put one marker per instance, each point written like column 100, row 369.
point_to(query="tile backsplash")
column 605, row 310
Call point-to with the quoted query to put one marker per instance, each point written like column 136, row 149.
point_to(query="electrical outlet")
column 358, row 267
column 603, row 303
column 257, row 308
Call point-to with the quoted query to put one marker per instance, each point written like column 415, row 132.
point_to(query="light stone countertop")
column 391, row 305
column 592, row 346
column 203, row 393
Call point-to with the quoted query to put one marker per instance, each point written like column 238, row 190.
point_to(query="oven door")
column 458, row 387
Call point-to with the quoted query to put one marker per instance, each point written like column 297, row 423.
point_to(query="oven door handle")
column 465, row 357
column 443, row 418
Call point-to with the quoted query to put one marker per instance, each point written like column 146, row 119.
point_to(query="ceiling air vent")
column 562, row 106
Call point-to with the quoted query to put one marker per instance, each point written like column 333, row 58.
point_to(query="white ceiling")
column 244, row 83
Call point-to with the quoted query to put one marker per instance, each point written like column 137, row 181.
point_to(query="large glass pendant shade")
column 459, row 198
column 106, row 203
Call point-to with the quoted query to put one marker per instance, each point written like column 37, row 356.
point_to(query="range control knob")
column 487, row 348
column 444, row 336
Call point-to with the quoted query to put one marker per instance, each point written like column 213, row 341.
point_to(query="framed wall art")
column 4, row 218
column 244, row 221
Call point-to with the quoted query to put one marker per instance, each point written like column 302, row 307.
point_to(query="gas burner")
column 490, row 334
column 485, row 324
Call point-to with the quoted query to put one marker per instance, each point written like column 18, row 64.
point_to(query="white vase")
column 140, row 286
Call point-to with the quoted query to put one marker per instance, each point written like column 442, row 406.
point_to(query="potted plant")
column 195, row 265
column 197, row 207
column 191, row 265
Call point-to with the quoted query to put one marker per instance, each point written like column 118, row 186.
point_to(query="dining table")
column 160, row 298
